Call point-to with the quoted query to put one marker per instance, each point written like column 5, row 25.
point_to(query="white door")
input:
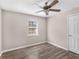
column 73, row 33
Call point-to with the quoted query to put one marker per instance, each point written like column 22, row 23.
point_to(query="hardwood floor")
column 42, row 51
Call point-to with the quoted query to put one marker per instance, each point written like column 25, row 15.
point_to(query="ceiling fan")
column 47, row 7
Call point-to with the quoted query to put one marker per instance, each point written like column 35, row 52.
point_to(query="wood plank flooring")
column 42, row 51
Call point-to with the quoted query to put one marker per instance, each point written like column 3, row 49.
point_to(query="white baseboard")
column 22, row 47
column 57, row 45
column 32, row 45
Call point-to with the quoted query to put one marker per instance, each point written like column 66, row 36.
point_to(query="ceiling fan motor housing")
column 45, row 7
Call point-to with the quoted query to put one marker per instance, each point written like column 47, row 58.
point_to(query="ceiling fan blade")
column 46, row 2
column 53, row 3
column 39, row 11
column 56, row 10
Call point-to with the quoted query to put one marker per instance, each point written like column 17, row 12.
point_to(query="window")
column 32, row 28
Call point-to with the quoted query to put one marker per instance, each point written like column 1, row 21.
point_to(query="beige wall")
column 0, row 30
column 58, row 30
column 15, row 30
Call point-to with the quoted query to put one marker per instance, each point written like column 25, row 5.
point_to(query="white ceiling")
column 29, row 7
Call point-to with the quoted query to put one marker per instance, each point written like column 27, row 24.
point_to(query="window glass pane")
column 32, row 28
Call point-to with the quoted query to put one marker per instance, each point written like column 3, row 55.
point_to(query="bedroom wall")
column 58, row 29
column 15, row 30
